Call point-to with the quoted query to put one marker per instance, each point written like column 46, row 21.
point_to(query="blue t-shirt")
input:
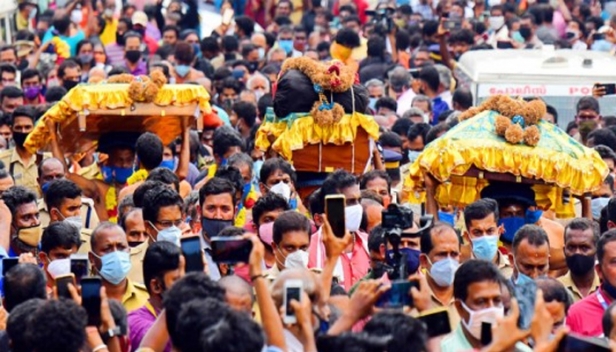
column 71, row 41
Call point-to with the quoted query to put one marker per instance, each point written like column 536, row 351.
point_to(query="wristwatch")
column 117, row 331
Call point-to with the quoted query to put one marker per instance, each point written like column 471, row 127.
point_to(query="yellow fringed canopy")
column 558, row 161
column 108, row 107
column 299, row 129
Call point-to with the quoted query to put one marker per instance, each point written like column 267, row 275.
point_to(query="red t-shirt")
column 586, row 315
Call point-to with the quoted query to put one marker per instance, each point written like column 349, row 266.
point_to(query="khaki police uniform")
column 25, row 173
column 135, row 296
column 89, row 218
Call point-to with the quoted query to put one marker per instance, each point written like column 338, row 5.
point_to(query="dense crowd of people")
column 129, row 200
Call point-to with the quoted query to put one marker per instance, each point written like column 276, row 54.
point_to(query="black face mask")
column 212, row 227
column 526, row 32
column 253, row 66
column 120, row 39
column 580, row 264
column 68, row 85
column 132, row 56
column 134, row 243
column 19, row 138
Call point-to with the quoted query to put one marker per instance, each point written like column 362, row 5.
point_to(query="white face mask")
column 353, row 215
column 282, row 189
column 476, row 317
column 75, row 221
column 76, row 16
column 496, row 22
column 59, row 267
column 297, row 259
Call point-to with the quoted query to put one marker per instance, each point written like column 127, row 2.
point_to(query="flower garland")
column 111, row 204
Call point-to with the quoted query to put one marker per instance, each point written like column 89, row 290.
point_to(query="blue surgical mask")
column 169, row 164
column 485, row 247
column 182, row 70
column 286, row 45
column 412, row 258
column 116, row 266
column 413, row 155
column 293, row 203
column 170, row 234
column 197, row 49
column 223, row 162
column 372, row 104
column 517, row 37
column 533, row 216
column 443, row 271
column 256, row 169
column 523, row 279
column 117, row 174
column 596, row 205
column 261, row 52
column 45, row 187
column 511, row 225
column 446, row 218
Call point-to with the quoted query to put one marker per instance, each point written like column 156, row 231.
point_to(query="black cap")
column 503, row 191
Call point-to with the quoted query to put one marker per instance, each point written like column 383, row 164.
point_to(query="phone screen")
column 79, row 267
column 230, row 250
column 334, row 208
column 437, row 323
column 91, row 299
column 398, row 296
column 504, row 45
column 7, row 264
column 610, row 89
column 486, row 333
column 292, row 293
column 191, row 248
column 62, row 285
column 227, row 16
column 525, row 293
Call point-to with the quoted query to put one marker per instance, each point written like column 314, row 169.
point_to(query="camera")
column 394, row 220
column 382, row 20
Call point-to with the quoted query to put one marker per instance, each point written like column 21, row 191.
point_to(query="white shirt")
column 405, row 101
column 293, row 344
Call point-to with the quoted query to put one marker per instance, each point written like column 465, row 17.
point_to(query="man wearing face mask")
column 585, row 316
column 381, row 253
column 530, row 254
column 588, row 117
column 119, row 167
column 291, row 238
column 50, row 170
column 162, row 215
column 259, row 84
column 285, row 41
column 482, row 233
column 528, row 24
column 581, row 237
column 277, row 176
column 517, row 207
column 184, row 61
column 497, row 27
column 59, row 241
column 265, row 211
column 440, row 257
column 69, row 74
column 477, row 290
column 163, row 265
column 26, row 231
column 115, row 50
column 355, row 262
column 217, row 199
column 133, row 54
column 63, row 203
column 20, row 163
column 110, row 259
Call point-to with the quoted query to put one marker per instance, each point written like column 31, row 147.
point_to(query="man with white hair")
column 376, row 90
column 444, row 75
column 259, row 84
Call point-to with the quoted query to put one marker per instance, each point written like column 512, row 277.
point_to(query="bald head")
column 96, row 75
column 49, row 170
column 107, row 236
column 238, row 293
column 310, row 281
column 258, row 39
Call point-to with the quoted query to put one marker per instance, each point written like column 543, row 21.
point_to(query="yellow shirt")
column 135, row 296
column 504, row 266
column 136, row 260
column 89, row 218
column 25, row 173
column 109, row 33
column 90, row 172
column 573, row 290
column 85, row 247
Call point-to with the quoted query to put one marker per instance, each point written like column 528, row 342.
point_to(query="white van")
column 559, row 77
column 7, row 18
